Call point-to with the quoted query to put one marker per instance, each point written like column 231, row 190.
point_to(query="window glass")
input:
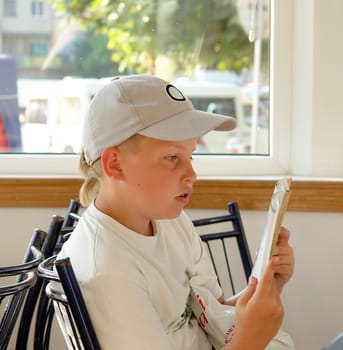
column 10, row 8
column 216, row 52
column 37, row 8
column 39, row 49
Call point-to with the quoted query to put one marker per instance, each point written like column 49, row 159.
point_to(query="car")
column 10, row 135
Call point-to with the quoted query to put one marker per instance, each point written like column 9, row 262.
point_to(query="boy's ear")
column 110, row 163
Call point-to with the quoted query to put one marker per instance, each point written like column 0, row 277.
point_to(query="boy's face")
column 159, row 177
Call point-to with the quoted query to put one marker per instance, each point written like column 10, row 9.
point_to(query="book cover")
column 276, row 212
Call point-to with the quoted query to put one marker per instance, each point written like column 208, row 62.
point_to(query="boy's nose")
column 191, row 174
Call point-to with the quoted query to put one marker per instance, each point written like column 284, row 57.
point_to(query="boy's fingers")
column 267, row 282
column 283, row 235
column 249, row 292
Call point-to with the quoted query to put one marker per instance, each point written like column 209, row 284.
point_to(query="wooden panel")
column 38, row 193
column 321, row 196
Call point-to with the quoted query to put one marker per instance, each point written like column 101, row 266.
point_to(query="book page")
column 276, row 212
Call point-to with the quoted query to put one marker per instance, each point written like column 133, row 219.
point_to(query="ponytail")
column 92, row 180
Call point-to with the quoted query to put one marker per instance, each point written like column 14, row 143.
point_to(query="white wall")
column 312, row 299
column 317, row 99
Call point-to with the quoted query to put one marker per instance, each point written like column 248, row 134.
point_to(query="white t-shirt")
column 136, row 287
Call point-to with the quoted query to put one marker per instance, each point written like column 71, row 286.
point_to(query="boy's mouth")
column 184, row 197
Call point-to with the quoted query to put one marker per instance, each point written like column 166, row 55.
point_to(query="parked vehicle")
column 10, row 136
column 224, row 98
column 52, row 112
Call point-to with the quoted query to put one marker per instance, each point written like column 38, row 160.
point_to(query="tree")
column 90, row 56
column 191, row 33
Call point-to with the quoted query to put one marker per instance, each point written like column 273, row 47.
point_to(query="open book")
column 276, row 212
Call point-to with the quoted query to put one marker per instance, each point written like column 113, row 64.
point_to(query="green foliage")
column 192, row 33
column 91, row 58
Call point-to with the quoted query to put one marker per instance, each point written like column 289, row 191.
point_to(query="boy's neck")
column 146, row 228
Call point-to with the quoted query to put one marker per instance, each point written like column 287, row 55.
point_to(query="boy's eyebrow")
column 178, row 146
column 183, row 147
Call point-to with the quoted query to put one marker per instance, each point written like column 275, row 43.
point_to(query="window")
column 273, row 156
column 37, row 8
column 39, row 49
column 10, row 8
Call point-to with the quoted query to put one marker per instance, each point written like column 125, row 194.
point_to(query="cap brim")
column 188, row 125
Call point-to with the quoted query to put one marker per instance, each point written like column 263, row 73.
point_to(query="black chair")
column 18, row 280
column 71, row 217
column 71, row 311
column 336, row 343
column 219, row 232
column 59, row 227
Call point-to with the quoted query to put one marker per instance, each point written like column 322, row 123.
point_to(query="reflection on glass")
column 58, row 54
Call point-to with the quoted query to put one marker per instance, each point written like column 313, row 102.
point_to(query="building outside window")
column 211, row 59
column 39, row 49
column 37, row 8
column 10, row 8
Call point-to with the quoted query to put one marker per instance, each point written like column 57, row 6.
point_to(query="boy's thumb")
column 249, row 291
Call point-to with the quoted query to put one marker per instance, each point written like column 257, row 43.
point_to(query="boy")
column 134, row 250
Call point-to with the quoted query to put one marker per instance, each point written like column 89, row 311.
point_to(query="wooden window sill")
column 252, row 194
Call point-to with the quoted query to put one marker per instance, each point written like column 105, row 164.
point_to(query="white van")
column 52, row 112
column 224, row 98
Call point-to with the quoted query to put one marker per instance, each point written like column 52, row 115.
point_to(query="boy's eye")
column 171, row 157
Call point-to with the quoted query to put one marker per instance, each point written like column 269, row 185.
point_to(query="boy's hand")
column 259, row 313
column 283, row 259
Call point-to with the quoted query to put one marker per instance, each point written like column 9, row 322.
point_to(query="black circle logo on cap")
column 175, row 93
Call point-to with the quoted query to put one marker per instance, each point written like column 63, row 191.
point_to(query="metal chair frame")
column 70, row 303
column 335, row 344
column 17, row 291
column 237, row 232
column 36, row 298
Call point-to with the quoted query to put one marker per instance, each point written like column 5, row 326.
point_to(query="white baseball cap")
column 146, row 105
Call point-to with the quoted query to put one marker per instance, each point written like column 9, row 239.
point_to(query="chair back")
column 231, row 259
column 335, row 344
column 71, row 311
column 18, row 279
column 71, row 217
column 36, row 298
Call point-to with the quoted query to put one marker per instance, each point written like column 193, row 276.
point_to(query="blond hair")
column 93, row 173
column 92, row 180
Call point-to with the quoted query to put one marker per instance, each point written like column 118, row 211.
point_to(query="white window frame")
column 208, row 166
